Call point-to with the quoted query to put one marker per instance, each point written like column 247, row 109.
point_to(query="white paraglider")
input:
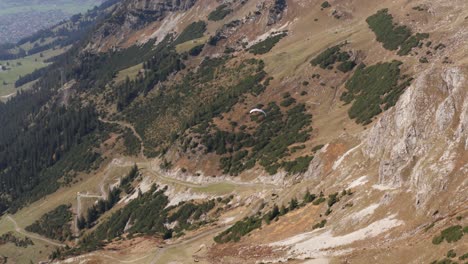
column 257, row 110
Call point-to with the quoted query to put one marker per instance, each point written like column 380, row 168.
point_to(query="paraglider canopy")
column 257, row 110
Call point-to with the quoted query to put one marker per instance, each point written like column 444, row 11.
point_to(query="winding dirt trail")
column 23, row 232
column 102, row 189
column 132, row 128
column 188, row 241
column 78, row 201
column 189, row 184
column 159, row 253
column 136, row 260
column 5, row 97
column 147, row 167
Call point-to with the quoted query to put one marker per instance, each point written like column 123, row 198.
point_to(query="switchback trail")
column 78, row 201
column 102, row 189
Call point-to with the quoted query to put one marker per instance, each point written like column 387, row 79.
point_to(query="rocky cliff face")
column 132, row 15
column 418, row 141
column 276, row 11
column 420, row 145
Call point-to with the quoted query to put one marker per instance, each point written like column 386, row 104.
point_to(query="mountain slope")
column 360, row 154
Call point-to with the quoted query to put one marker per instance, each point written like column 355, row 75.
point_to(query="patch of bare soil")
column 240, row 253
column 334, row 151
column 293, row 223
column 136, row 245
column 296, row 222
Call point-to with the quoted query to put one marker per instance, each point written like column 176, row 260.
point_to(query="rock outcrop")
column 276, row 11
column 417, row 141
column 133, row 15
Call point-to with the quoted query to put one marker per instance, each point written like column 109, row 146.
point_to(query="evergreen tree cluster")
column 157, row 69
column 126, row 182
column 148, row 214
column 42, row 141
column 195, row 51
column 266, row 45
column 95, row 211
column 391, row 35
column 219, row 13
column 248, row 224
column 196, row 99
column 267, row 145
column 30, row 144
column 36, row 74
column 104, row 205
column 373, row 89
column 327, row 58
column 131, row 142
column 193, row 31
column 239, row 229
column 188, row 213
column 54, row 224
column 18, row 242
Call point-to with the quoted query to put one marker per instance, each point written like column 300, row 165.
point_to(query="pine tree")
column 293, row 204
column 274, row 212
column 308, row 197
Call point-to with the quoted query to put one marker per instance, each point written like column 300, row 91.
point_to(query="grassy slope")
column 39, row 251
column 283, row 61
column 130, row 72
column 28, row 65
column 186, row 46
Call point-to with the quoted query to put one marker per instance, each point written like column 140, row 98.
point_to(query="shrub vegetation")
column 193, row 101
column 54, row 224
column 18, row 242
column 219, row 13
column 373, row 89
column 392, row 36
column 193, row 31
column 148, row 214
column 450, row 234
column 327, row 58
column 248, row 224
column 266, row 45
column 320, row 224
column 239, row 229
column 131, row 143
column 195, row 51
column 325, row 4
column 267, row 144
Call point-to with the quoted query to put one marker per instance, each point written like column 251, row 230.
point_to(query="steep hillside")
column 245, row 132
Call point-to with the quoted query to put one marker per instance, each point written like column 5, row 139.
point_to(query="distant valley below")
column 19, row 19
